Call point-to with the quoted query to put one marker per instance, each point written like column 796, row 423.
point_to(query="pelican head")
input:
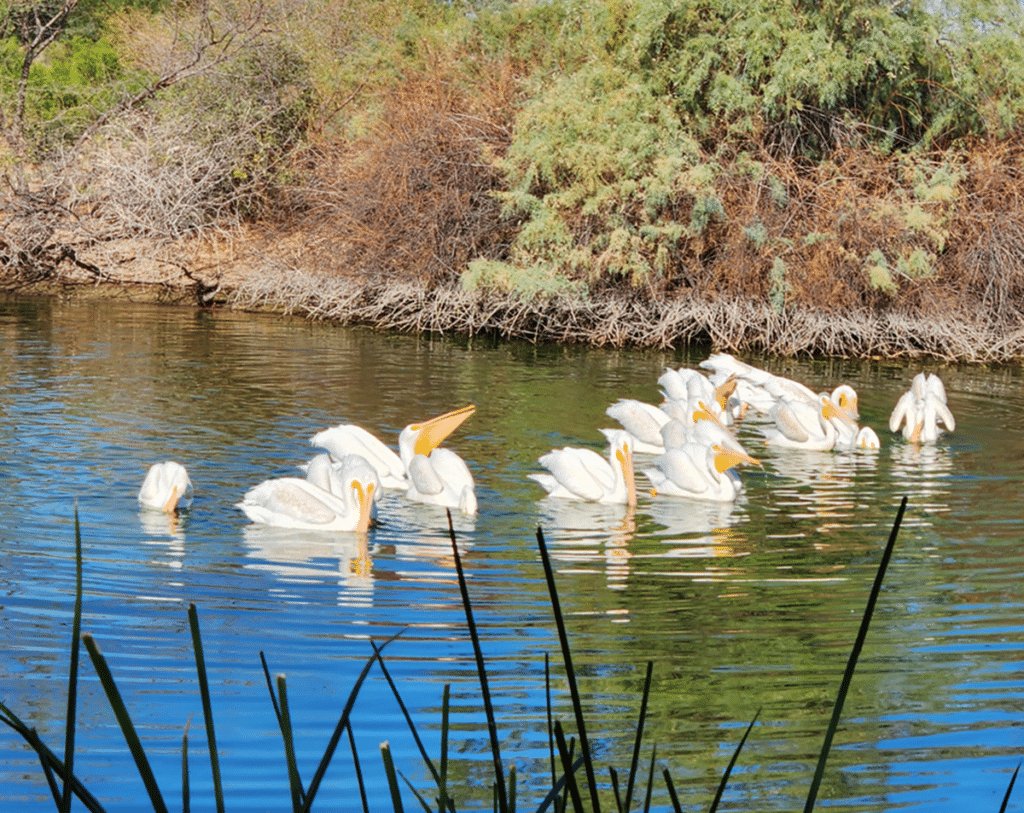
column 166, row 487
column 867, row 439
column 845, row 397
column 832, row 410
column 360, row 479
column 423, row 438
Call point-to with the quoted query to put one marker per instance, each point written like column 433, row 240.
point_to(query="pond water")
column 741, row 607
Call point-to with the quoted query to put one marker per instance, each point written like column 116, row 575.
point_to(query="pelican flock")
column 690, row 436
column 687, row 443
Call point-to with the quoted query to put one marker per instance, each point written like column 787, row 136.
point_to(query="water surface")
column 741, row 607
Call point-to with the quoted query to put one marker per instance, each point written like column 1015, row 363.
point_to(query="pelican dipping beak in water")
column 166, row 488
column 921, row 409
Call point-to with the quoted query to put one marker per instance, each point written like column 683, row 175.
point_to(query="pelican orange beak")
column 725, row 459
column 430, row 434
column 625, row 457
column 723, row 391
column 705, row 414
column 365, row 500
column 172, row 502
column 830, row 409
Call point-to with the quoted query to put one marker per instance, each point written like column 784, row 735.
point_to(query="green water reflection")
column 741, row 607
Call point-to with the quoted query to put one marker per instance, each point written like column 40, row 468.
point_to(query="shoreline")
column 618, row 319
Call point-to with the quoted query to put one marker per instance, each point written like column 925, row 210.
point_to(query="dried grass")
column 632, row 320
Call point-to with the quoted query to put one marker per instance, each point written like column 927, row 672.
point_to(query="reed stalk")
column 442, row 780
column 725, row 776
column 492, row 727
column 204, row 693
column 574, row 691
column 650, row 778
column 389, row 770
column 186, row 803
column 673, row 796
column 1009, row 789
column 851, row 664
column 565, row 752
column 357, row 770
column 76, row 631
column 639, row 737
column 294, row 781
column 124, row 720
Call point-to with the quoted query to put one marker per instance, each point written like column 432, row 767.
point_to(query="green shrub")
column 658, row 109
column 79, row 79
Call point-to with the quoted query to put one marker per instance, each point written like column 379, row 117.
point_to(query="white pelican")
column 699, row 471
column 685, row 385
column 702, row 428
column 867, row 439
column 763, row 390
column 642, row 421
column 803, row 425
column 328, row 499
column 166, row 487
column 346, row 439
column 582, row 474
column 437, row 476
column 921, row 409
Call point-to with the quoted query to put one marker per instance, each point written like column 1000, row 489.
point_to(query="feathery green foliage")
column 621, row 162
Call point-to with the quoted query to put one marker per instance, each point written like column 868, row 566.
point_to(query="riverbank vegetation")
column 842, row 177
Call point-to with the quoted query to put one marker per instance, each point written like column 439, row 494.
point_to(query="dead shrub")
column 414, row 198
column 985, row 259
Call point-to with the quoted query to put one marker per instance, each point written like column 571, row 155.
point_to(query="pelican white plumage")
column 763, row 390
column 704, row 428
column 347, row 439
column 437, row 476
column 920, row 410
column 642, row 421
column 692, row 386
column 582, row 474
column 867, row 438
column 329, row 498
column 803, row 425
column 166, row 487
column 700, row 471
